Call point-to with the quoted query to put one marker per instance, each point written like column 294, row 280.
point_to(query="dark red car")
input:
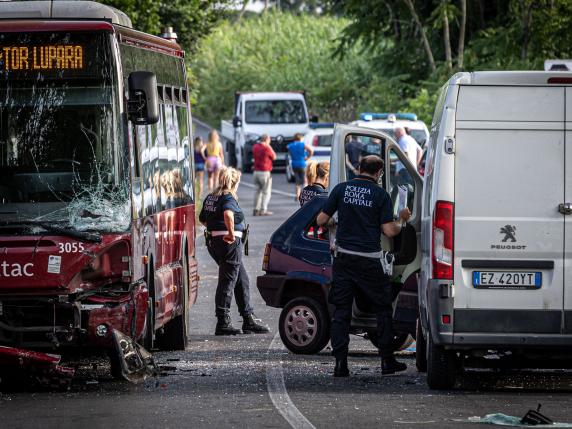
column 297, row 263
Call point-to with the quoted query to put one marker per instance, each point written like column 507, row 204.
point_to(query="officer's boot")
column 341, row 368
column 250, row 325
column 390, row 365
column 224, row 326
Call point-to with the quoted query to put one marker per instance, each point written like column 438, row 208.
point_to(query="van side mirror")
column 236, row 122
column 314, row 119
column 143, row 104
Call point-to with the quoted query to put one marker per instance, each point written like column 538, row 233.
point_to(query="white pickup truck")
column 278, row 114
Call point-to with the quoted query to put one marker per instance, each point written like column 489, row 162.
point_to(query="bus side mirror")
column 236, row 122
column 143, row 104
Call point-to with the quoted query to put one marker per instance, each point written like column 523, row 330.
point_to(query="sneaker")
column 266, row 213
column 391, row 366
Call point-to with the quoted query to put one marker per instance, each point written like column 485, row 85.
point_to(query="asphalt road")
column 251, row 381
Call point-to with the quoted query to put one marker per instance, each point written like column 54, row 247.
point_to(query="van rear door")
column 509, row 234
column 568, row 219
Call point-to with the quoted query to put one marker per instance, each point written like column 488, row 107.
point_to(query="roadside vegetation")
column 390, row 55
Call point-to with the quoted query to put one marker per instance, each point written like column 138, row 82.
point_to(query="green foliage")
column 190, row 19
column 279, row 52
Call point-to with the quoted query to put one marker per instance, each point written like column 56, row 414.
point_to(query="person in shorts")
column 299, row 153
column 215, row 159
column 200, row 163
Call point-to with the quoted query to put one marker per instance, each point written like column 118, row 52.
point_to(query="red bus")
column 97, row 213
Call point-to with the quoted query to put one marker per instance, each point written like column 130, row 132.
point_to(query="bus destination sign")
column 41, row 58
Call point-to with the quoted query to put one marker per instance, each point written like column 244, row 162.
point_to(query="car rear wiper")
column 93, row 237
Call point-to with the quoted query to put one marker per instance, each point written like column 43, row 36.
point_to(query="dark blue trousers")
column 232, row 276
column 351, row 273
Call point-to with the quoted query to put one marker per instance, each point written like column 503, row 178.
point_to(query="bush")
column 279, row 52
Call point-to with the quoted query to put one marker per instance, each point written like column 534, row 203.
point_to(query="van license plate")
column 507, row 280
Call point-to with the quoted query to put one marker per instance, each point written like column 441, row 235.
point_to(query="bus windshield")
column 60, row 138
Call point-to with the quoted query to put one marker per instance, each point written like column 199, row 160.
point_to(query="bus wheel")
column 175, row 334
column 149, row 332
column 441, row 366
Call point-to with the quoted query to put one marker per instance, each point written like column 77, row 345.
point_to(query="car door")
column 394, row 158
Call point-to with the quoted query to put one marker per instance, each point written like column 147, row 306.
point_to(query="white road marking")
column 278, row 393
column 274, row 191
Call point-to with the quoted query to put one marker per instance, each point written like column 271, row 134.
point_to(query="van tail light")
column 266, row 258
column 443, row 223
column 315, row 141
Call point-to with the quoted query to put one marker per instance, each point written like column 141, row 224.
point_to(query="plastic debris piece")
column 500, row 419
column 535, row 417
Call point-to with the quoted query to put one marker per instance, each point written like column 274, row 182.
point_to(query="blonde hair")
column 317, row 170
column 213, row 141
column 228, row 178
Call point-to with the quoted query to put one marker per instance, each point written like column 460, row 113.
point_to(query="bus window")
column 185, row 159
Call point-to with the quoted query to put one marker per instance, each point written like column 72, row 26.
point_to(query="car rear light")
column 443, row 240
column 266, row 258
column 315, row 141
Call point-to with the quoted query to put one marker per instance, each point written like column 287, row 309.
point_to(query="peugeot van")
column 496, row 236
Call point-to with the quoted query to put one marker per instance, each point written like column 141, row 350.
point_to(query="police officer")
column 364, row 212
column 225, row 224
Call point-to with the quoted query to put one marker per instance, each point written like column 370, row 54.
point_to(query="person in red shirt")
column 264, row 156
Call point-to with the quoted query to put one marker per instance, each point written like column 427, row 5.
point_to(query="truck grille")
column 281, row 146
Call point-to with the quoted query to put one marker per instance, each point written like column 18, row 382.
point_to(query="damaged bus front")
column 84, row 249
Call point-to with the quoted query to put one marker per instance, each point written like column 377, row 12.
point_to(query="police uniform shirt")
column 213, row 210
column 362, row 206
column 310, row 192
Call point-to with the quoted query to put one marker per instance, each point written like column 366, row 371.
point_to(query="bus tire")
column 441, row 366
column 175, row 334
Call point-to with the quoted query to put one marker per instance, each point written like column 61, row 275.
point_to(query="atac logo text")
column 509, row 236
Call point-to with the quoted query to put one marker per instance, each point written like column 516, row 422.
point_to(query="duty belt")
column 239, row 234
column 386, row 258
column 222, row 233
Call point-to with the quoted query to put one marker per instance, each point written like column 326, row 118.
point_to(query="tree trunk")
column 242, row 9
column 526, row 14
column 411, row 7
column 447, row 41
column 462, row 29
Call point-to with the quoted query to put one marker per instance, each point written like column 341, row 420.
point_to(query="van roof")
column 511, row 78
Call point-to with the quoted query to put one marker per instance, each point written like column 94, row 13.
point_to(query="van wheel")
column 304, row 326
column 401, row 340
column 420, row 348
column 441, row 366
column 175, row 334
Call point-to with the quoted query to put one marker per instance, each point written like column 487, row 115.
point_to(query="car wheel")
column 420, row 348
column 401, row 340
column 304, row 326
column 441, row 366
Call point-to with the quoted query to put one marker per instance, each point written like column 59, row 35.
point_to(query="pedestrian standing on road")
column 200, row 162
column 318, row 179
column 215, row 159
column 225, row 238
column 364, row 213
column 264, row 157
column 299, row 153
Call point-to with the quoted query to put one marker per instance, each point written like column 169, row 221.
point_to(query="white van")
column 496, row 239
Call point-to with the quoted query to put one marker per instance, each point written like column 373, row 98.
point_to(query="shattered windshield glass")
column 61, row 150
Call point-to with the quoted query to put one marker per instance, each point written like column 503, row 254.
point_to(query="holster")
column 245, row 234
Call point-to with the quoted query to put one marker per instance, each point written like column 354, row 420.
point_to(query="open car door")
column 401, row 180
